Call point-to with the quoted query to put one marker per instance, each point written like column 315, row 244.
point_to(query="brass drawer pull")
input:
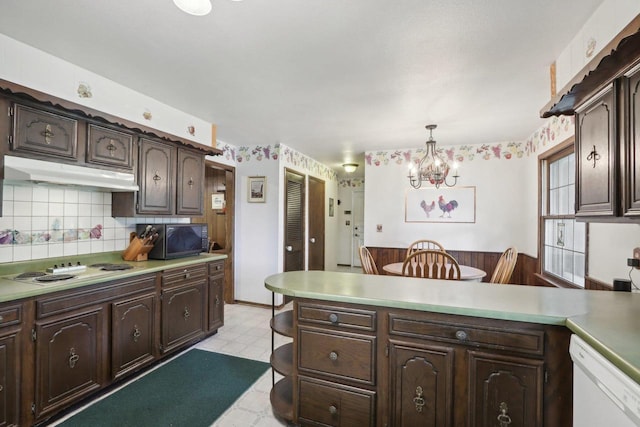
column 419, row 399
column 333, row 356
column 186, row 313
column 136, row 333
column 504, row 419
column 217, row 300
column 47, row 134
column 333, row 318
column 156, row 177
column 462, row 335
column 73, row 358
column 190, row 182
column 111, row 148
column 333, row 410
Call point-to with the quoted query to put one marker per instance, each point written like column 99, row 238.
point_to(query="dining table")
column 467, row 272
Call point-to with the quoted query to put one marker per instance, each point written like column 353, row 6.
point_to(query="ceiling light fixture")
column 432, row 167
column 350, row 167
column 194, row 7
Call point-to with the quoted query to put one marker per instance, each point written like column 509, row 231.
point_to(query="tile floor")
column 246, row 333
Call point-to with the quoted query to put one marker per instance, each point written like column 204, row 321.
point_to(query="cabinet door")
column 216, row 303
column 631, row 182
column 9, row 379
column 132, row 334
column 109, row 147
column 69, row 360
column 40, row 132
column 190, row 195
column 155, row 178
column 421, row 385
column 182, row 315
column 596, row 158
column 505, row 390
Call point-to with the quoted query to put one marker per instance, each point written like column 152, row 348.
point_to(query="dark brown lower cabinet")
column 422, row 381
column 215, row 295
column 408, row 368
column 506, row 389
column 70, row 358
column 183, row 315
column 327, row 404
column 132, row 334
column 9, row 377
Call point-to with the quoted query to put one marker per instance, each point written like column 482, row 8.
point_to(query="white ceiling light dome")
column 194, row 7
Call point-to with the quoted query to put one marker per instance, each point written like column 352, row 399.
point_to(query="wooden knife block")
column 137, row 250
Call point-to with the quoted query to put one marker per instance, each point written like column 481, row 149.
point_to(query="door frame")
column 230, row 197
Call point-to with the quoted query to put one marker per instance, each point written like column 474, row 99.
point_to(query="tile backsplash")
column 42, row 221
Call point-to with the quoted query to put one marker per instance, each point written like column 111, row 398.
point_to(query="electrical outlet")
column 636, row 255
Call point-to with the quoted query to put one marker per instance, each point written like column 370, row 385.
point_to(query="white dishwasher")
column 603, row 395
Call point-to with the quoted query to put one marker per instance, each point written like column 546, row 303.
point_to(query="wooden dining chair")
column 506, row 264
column 367, row 261
column 424, row 244
column 431, row 264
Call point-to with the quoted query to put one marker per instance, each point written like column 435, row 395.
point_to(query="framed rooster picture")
column 456, row 204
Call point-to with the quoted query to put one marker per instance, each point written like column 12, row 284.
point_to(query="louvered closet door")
column 294, row 222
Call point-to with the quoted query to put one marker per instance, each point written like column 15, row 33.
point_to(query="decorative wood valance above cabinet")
column 606, row 105
column 168, row 170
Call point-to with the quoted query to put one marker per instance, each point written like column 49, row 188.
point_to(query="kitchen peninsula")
column 62, row 341
column 382, row 350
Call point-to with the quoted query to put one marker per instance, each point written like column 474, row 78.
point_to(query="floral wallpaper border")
column 277, row 152
column 556, row 129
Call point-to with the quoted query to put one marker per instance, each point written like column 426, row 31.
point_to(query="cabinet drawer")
column 10, row 316
column 523, row 340
column 339, row 355
column 216, row 268
column 109, row 147
column 91, row 295
column 184, row 275
column 327, row 404
column 38, row 131
column 363, row 320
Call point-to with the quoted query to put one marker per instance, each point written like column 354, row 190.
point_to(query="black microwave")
column 177, row 240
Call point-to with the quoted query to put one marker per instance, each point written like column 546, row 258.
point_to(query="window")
column 563, row 239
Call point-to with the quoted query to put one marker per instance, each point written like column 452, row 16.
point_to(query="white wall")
column 259, row 242
column 256, row 234
column 33, row 68
column 605, row 23
column 501, row 192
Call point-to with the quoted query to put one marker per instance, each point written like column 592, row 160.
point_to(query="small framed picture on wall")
column 257, row 189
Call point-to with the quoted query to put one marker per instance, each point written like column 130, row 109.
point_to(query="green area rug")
column 191, row 390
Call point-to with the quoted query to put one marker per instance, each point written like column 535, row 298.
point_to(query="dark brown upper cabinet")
column 108, row 147
column 171, row 182
column 156, row 178
column 596, row 159
column 604, row 97
column 190, row 194
column 39, row 133
column 631, row 154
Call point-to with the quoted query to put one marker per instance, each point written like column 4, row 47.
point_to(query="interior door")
column 316, row 224
column 294, row 246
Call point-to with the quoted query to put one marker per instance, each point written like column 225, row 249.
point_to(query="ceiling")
column 329, row 78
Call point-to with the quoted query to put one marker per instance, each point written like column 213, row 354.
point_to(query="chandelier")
column 432, row 168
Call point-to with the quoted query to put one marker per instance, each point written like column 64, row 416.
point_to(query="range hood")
column 21, row 169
